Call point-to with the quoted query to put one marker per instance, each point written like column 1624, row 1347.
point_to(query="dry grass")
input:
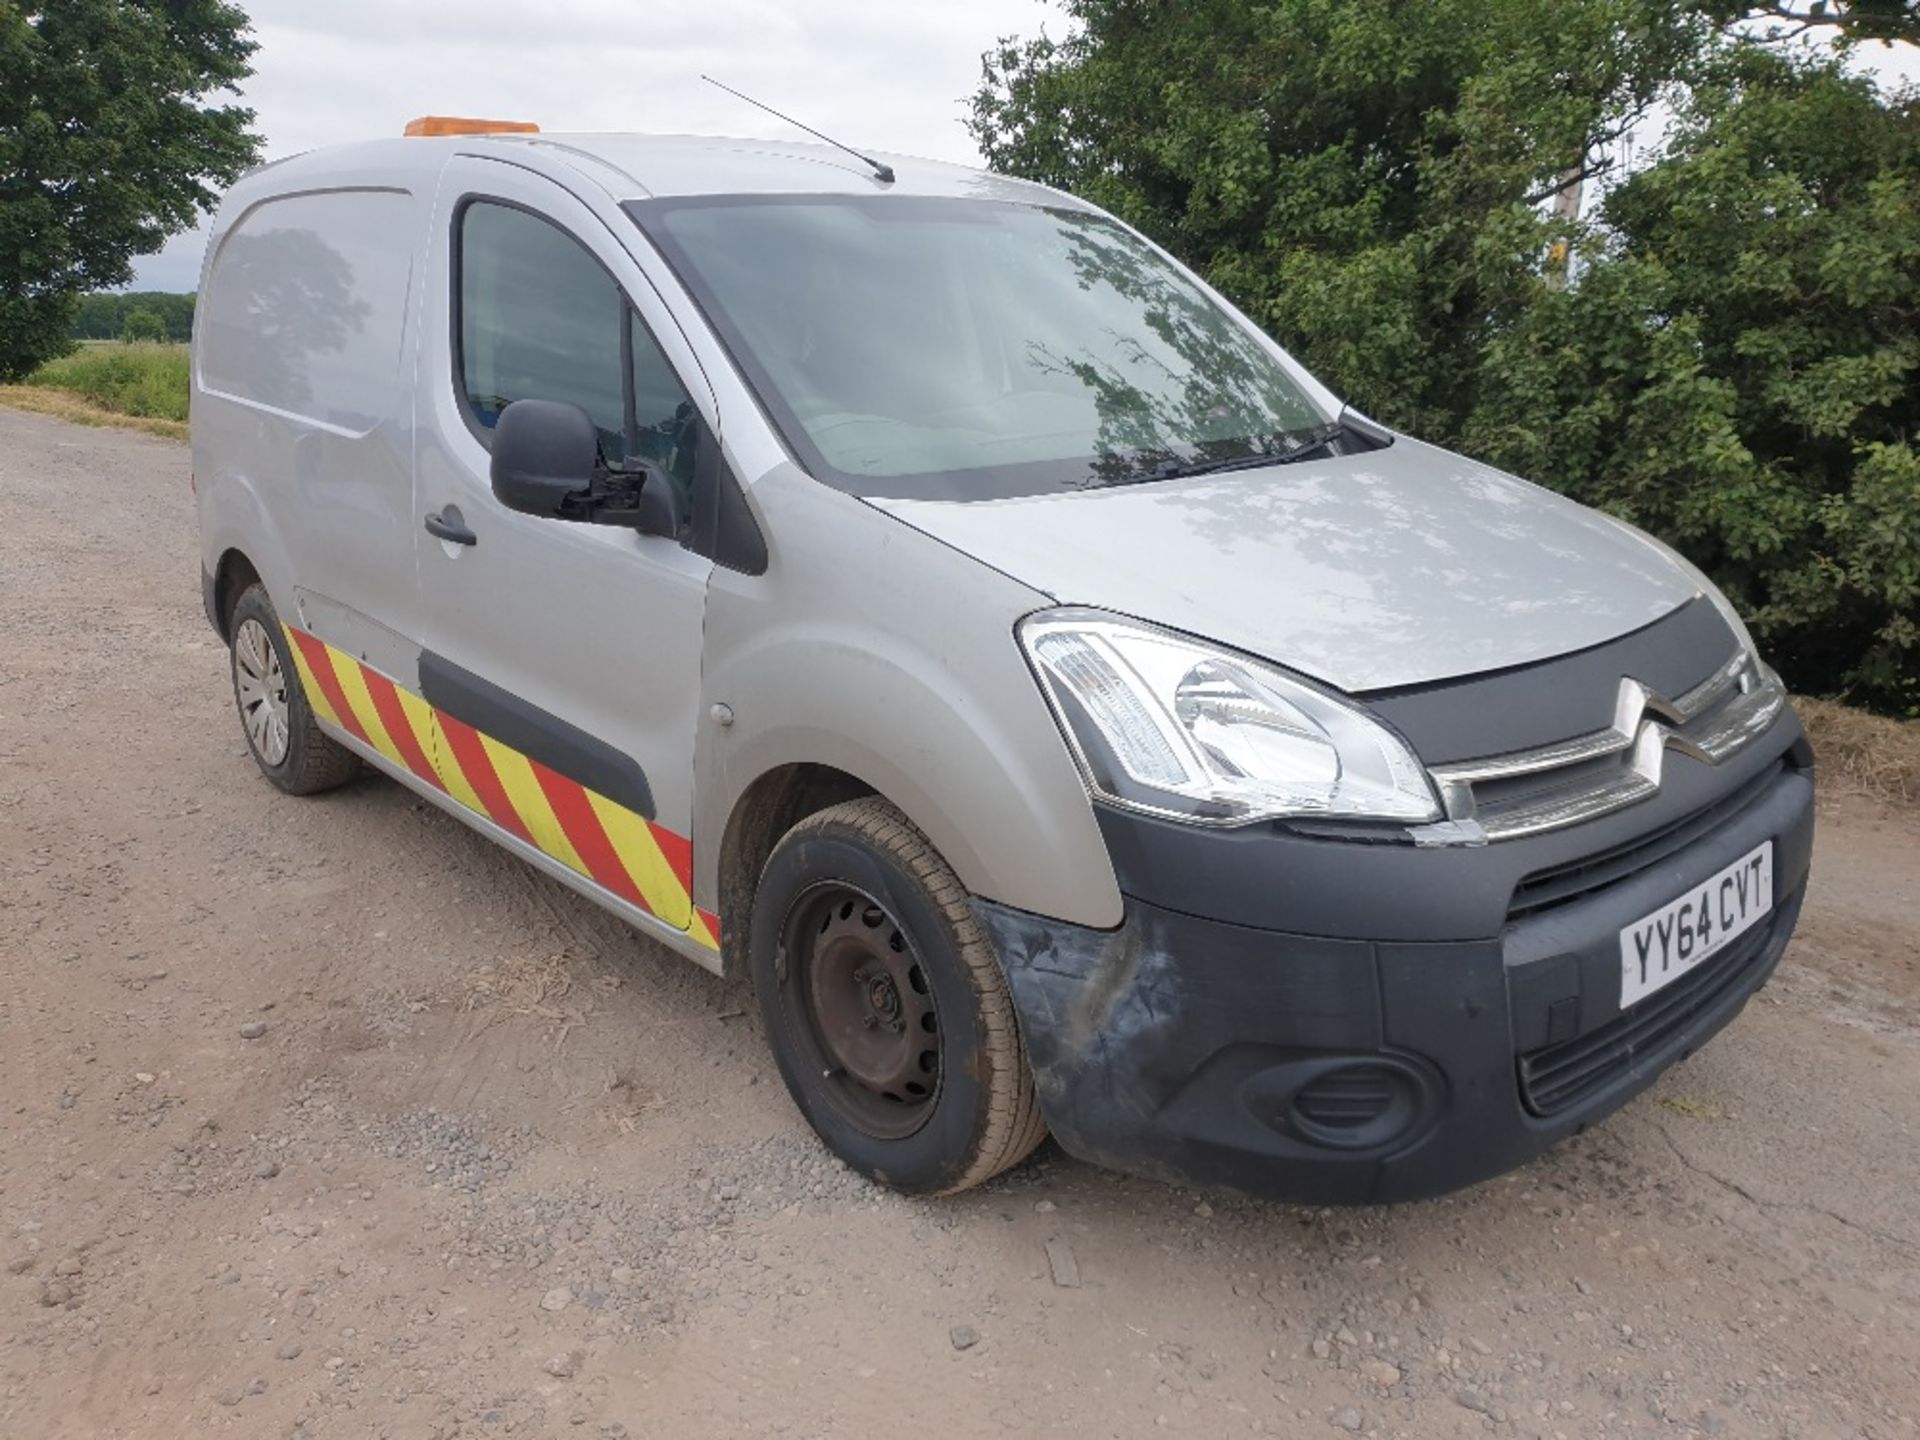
column 533, row 985
column 526, row 984
column 78, row 409
column 1870, row 753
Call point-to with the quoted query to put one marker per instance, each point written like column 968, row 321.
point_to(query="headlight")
column 1166, row 724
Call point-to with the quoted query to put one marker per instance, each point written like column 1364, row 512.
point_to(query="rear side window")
column 541, row 319
column 306, row 303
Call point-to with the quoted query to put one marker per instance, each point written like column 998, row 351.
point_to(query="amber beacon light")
column 464, row 125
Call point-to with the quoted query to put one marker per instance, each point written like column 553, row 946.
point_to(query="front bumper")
column 1451, row 1014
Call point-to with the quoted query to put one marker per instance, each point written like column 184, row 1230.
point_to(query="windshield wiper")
column 1300, row 449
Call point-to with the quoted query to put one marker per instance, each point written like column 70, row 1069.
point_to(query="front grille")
column 1576, row 879
column 1558, row 1077
column 1551, row 787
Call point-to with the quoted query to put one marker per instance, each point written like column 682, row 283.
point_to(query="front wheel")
column 886, row 1007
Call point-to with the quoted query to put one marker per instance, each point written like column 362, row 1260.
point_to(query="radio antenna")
column 881, row 172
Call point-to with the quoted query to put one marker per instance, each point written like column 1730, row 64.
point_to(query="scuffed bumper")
column 1340, row 1069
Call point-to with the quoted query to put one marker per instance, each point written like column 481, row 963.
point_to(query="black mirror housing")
column 654, row 510
column 545, row 457
column 546, row 462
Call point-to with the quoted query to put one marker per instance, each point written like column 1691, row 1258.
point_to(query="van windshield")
column 970, row 349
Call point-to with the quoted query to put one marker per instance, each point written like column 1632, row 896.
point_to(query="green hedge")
column 143, row 379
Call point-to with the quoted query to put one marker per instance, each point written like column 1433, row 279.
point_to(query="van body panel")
column 394, row 655
column 874, row 649
column 598, row 626
column 235, row 516
column 1373, row 571
column 505, row 774
column 301, row 407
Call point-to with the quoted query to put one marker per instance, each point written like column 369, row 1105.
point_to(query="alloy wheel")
column 260, row 685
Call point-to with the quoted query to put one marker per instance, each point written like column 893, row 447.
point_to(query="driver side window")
column 539, row 318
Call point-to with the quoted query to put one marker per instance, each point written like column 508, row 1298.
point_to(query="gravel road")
column 325, row 1118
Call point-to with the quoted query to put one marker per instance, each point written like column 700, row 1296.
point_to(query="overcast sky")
column 893, row 76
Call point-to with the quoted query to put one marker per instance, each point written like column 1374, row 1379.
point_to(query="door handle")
column 448, row 524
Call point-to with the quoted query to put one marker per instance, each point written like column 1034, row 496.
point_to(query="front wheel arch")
column 765, row 811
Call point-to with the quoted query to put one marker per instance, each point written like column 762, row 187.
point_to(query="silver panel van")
column 914, row 589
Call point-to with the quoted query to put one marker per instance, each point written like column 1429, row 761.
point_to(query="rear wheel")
column 283, row 737
column 885, row 1004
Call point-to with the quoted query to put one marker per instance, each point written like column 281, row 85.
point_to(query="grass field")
column 146, row 381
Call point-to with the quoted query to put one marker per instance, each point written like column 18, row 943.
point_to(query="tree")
column 103, row 315
column 1848, row 22
column 1362, row 176
column 142, row 325
column 1738, row 367
column 107, row 146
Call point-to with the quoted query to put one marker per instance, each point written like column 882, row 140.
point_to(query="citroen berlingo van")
column 913, row 588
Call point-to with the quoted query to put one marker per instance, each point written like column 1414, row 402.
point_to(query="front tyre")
column 885, row 1004
column 283, row 737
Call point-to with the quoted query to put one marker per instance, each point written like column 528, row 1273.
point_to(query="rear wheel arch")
column 232, row 578
column 302, row 759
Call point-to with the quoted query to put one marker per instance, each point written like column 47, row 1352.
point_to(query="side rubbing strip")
column 596, row 834
column 504, row 716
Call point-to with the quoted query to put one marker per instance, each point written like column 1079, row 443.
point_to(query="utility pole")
column 1566, row 206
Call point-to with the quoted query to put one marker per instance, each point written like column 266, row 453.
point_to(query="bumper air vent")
column 1559, row 1077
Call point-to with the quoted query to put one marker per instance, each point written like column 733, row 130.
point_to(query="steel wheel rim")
column 260, row 687
column 864, row 1010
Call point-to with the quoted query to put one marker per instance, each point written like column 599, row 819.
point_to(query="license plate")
column 1658, row 949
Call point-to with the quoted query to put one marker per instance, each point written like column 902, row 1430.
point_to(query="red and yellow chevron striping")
column 643, row 863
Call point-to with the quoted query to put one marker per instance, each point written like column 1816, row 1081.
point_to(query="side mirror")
column 546, row 462
column 545, row 455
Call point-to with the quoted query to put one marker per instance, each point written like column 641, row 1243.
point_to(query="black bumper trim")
column 1175, row 1045
column 1504, row 711
column 1559, row 1076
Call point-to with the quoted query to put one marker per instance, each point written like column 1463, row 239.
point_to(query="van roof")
column 636, row 167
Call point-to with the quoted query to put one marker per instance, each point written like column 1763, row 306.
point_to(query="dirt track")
column 496, row 1166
